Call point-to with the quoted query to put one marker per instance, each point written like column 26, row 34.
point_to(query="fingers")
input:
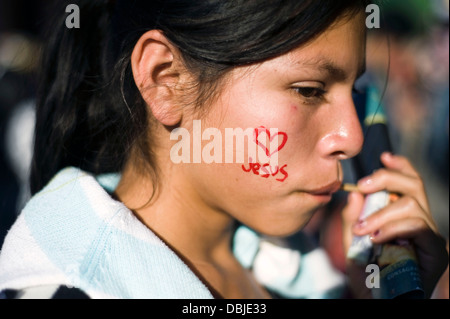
column 399, row 177
column 399, row 163
column 350, row 216
column 411, row 228
column 409, row 217
column 396, row 182
column 429, row 246
column 392, row 181
column 402, row 210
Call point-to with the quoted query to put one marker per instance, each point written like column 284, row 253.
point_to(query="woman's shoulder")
column 74, row 233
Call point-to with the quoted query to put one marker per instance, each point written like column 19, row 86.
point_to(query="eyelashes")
column 315, row 95
column 310, row 92
column 311, row 95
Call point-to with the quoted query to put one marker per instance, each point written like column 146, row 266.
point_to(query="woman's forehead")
column 336, row 52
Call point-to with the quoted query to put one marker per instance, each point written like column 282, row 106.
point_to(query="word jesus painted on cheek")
column 266, row 170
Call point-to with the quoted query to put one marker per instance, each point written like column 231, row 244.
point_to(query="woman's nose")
column 342, row 137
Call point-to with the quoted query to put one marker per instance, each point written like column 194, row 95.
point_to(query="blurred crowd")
column 408, row 58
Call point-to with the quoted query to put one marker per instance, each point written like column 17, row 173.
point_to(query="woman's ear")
column 156, row 71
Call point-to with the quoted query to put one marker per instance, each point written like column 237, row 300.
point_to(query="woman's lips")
column 326, row 190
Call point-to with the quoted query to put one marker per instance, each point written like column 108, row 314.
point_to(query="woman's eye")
column 310, row 92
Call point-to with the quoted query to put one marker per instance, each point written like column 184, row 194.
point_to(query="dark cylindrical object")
column 399, row 275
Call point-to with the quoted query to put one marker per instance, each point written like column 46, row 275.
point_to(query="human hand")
column 407, row 218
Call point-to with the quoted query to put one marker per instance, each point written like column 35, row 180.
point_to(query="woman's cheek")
column 275, row 121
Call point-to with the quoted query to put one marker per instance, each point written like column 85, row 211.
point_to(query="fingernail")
column 375, row 235
column 361, row 224
column 365, row 182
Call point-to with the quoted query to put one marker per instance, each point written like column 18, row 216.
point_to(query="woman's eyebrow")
column 336, row 72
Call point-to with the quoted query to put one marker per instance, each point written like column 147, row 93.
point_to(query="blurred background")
column 21, row 23
column 409, row 53
column 413, row 43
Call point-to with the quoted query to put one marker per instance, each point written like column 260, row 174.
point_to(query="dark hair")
column 90, row 113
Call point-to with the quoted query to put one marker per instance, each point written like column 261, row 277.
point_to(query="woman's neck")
column 178, row 215
column 198, row 233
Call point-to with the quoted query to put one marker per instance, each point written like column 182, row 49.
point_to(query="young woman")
column 116, row 91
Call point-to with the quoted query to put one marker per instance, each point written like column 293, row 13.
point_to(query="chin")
column 284, row 225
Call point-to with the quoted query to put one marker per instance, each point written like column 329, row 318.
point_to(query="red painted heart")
column 262, row 129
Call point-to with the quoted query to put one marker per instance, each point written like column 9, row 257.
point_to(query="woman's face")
column 306, row 95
